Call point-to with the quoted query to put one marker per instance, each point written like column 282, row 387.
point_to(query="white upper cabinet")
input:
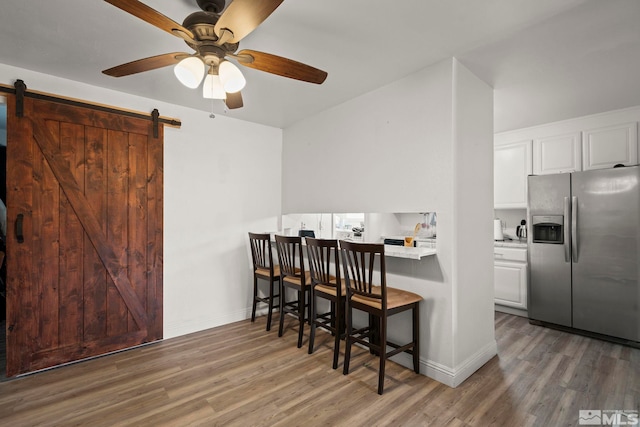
column 511, row 165
column 557, row 154
column 608, row 146
column 597, row 141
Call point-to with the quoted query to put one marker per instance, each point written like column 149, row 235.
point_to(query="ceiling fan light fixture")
column 213, row 35
column 212, row 87
column 231, row 77
column 190, row 71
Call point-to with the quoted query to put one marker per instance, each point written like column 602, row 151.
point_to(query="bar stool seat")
column 395, row 298
column 264, row 272
column 331, row 290
column 295, row 280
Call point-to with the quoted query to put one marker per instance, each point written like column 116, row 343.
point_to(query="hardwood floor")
column 240, row 375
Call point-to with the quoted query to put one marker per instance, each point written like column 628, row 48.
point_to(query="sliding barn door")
column 84, row 234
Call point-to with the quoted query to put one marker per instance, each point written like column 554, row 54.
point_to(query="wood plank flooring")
column 241, row 375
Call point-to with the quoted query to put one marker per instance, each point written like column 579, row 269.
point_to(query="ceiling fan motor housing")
column 201, row 25
column 215, row 6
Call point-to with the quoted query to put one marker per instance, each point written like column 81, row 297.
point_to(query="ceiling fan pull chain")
column 212, row 116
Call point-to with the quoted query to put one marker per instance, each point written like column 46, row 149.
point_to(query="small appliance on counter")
column 497, row 230
column 521, row 230
column 395, row 242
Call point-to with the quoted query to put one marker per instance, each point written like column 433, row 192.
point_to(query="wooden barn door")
column 84, row 234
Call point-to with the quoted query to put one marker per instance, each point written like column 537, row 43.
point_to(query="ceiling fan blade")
column 234, row 100
column 150, row 15
column 145, row 64
column 243, row 16
column 281, row 66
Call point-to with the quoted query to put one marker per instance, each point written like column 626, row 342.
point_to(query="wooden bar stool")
column 359, row 263
column 320, row 253
column 292, row 276
column 263, row 268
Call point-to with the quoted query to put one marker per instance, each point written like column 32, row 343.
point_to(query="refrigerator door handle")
column 567, row 233
column 574, row 228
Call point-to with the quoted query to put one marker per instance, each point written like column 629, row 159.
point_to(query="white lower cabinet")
column 510, row 277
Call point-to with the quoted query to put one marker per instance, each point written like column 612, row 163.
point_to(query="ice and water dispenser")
column 547, row 229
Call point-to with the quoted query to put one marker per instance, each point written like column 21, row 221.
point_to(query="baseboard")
column 452, row 377
column 473, row 363
column 511, row 310
column 179, row 328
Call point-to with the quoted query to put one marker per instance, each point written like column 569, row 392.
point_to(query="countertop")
column 408, row 252
column 510, row 244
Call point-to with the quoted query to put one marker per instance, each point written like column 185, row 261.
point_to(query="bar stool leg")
column 416, row 338
column 312, row 330
column 270, row 314
column 337, row 320
column 301, row 300
column 383, row 352
column 283, row 301
column 347, row 341
column 255, row 301
column 374, row 331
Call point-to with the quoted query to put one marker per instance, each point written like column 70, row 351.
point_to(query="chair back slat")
column 320, row 253
column 360, row 262
column 289, row 250
column 261, row 252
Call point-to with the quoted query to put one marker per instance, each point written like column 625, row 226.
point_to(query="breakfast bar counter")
column 408, row 252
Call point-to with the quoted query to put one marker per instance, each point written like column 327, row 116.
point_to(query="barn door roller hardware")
column 20, row 90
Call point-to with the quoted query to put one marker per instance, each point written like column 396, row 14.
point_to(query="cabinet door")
column 511, row 165
column 557, row 154
column 511, row 284
column 608, row 146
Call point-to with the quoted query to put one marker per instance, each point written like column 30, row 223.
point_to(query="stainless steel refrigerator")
column 584, row 251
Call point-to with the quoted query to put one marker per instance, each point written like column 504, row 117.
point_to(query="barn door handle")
column 19, row 234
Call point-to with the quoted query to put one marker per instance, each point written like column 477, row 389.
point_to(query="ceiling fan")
column 214, row 34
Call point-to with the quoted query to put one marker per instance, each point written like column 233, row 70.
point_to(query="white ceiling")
column 547, row 59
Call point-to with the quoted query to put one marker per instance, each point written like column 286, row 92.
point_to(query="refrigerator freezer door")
column 606, row 286
column 550, row 271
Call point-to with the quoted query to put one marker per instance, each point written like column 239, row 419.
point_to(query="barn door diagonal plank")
column 47, row 144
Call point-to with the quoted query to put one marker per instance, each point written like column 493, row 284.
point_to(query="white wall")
column 222, row 179
column 372, row 146
column 473, row 211
column 395, row 150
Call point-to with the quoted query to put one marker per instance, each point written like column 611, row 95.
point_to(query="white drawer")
column 510, row 254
